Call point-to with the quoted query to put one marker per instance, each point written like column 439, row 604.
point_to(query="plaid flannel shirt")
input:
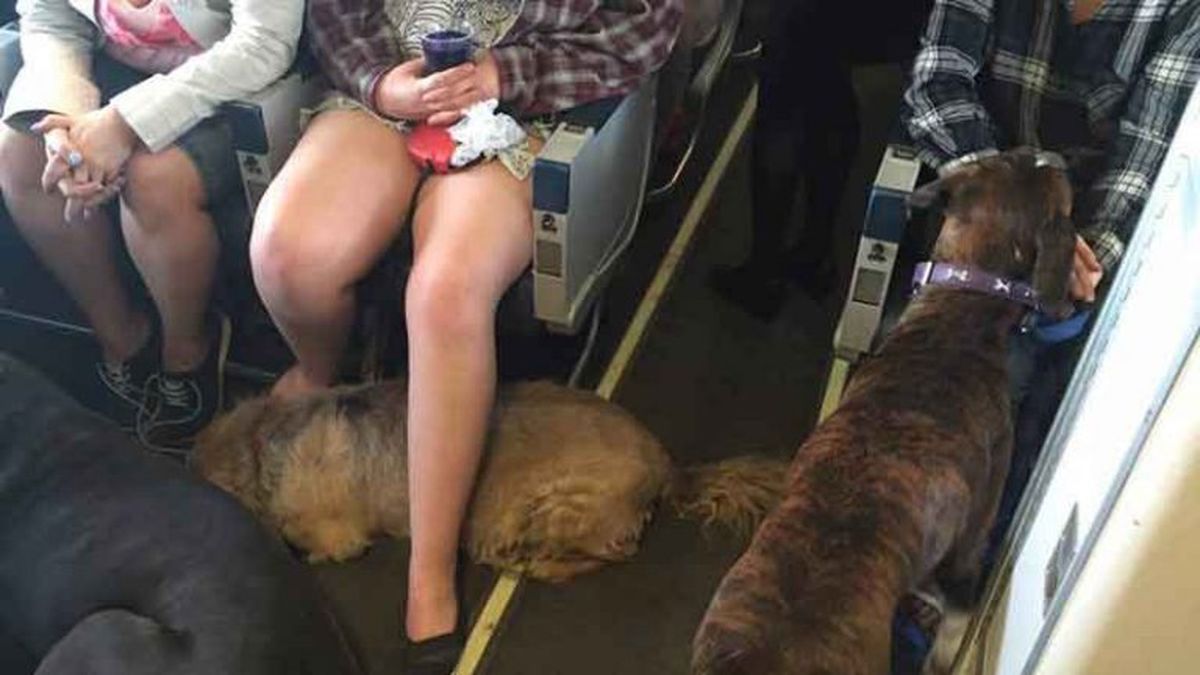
column 557, row 55
column 999, row 73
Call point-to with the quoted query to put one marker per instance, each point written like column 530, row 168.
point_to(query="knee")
column 447, row 299
column 288, row 271
column 21, row 162
column 161, row 184
column 276, row 263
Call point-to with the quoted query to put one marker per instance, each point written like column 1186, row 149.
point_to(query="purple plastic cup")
column 445, row 49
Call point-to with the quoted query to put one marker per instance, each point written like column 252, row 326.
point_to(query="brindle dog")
column 899, row 486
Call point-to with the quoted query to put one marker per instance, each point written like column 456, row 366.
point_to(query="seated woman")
column 117, row 97
column 342, row 198
column 343, row 195
column 1102, row 83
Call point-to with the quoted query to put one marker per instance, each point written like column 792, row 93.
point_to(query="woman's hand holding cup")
column 437, row 88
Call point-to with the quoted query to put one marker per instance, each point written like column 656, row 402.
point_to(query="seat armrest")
column 883, row 229
column 688, row 81
column 266, row 127
column 588, row 185
column 10, row 57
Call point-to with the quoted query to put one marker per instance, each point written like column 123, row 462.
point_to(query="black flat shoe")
column 816, row 276
column 760, row 295
column 436, row 655
column 439, row 654
column 818, row 281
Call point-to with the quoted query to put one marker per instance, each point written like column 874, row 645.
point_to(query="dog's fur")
column 117, row 562
column 568, row 481
column 899, row 486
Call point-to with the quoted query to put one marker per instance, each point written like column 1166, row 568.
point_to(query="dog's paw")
column 330, row 541
column 346, row 551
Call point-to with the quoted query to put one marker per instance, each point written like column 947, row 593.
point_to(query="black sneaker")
column 123, row 385
column 179, row 405
column 814, row 274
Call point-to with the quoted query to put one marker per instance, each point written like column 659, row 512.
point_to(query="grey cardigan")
column 248, row 45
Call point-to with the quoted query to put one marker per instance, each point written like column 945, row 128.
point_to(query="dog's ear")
column 1055, row 241
column 937, row 194
column 931, row 196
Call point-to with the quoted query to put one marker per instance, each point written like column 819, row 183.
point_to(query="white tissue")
column 483, row 131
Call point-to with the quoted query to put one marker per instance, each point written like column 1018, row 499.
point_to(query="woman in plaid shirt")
column 342, row 198
column 1104, row 82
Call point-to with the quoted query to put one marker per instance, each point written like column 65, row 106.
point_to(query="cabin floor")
column 708, row 379
column 712, row 383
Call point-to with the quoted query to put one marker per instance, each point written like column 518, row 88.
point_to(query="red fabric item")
column 431, row 147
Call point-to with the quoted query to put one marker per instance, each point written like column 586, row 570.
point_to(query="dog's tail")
column 736, row 493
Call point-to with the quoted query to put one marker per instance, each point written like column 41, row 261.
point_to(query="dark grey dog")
column 113, row 561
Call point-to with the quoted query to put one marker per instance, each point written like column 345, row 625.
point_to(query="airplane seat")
column 705, row 44
column 10, row 56
column 892, row 240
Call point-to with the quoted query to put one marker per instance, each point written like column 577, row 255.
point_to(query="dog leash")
column 1040, row 325
column 1048, row 331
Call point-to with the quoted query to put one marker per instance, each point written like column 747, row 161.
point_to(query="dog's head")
column 227, row 452
column 1009, row 215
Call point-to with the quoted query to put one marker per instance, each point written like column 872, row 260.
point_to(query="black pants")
column 807, row 122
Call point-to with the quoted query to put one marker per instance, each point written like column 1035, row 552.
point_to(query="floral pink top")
column 146, row 37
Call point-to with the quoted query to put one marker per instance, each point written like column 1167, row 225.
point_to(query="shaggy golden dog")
column 568, row 481
column 900, row 485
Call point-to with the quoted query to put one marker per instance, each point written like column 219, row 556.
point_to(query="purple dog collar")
column 968, row 278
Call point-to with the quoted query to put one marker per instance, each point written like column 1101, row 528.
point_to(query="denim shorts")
column 209, row 144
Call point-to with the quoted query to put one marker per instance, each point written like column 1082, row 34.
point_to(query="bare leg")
column 324, row 222
column 81, row 255
column 174, row 243
column 473, row 237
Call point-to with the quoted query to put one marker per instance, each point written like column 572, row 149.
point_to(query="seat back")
column 10, row 57
column 878, row 248
column 267, row 125
column 686, row 82
column 588, row 184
